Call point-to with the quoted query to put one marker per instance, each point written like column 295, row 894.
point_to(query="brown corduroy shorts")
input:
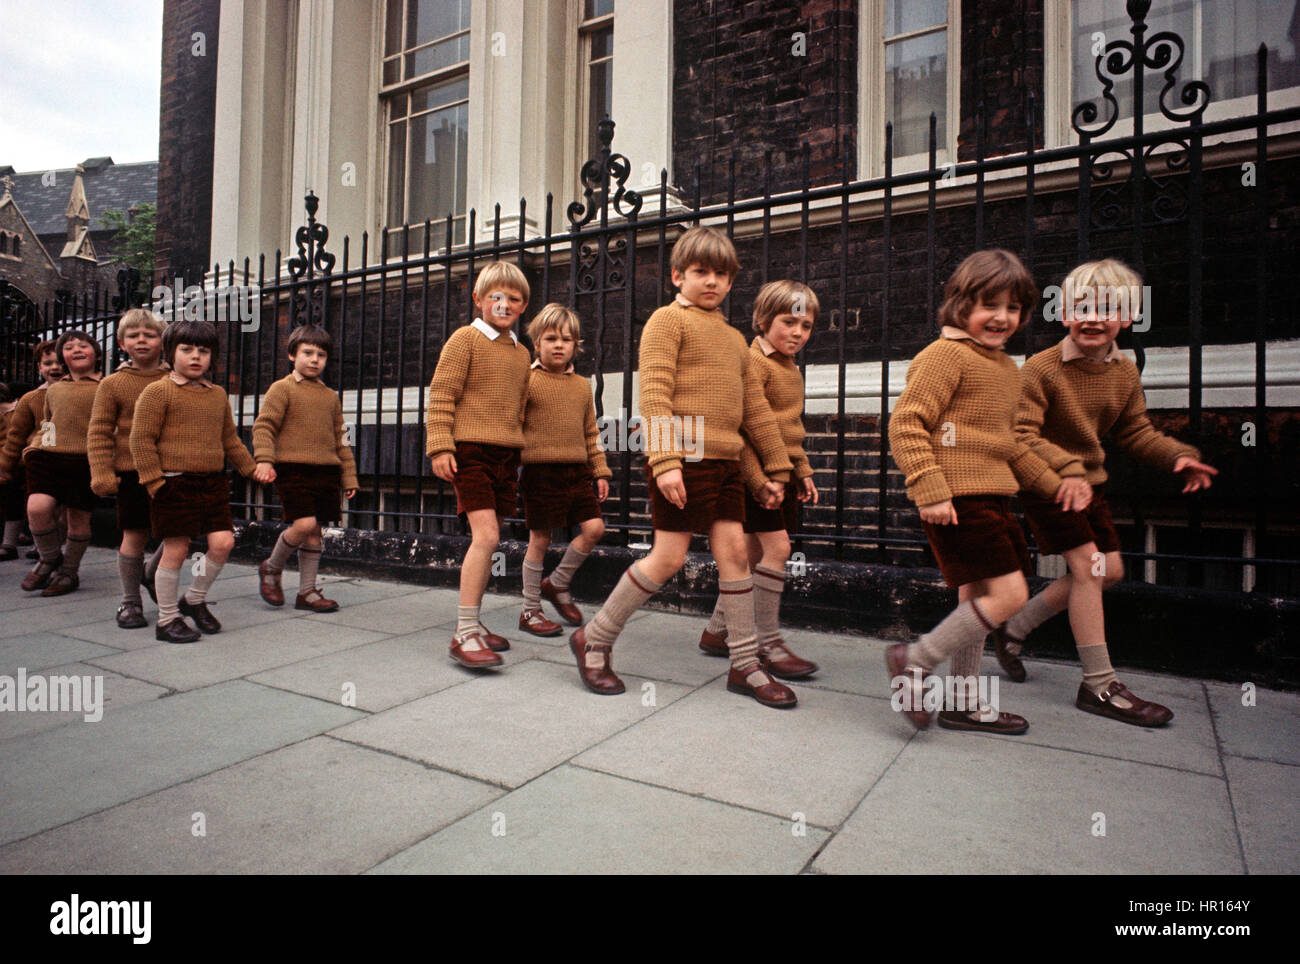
column 558, row 494
column 785, row 516
column 132, row 502
column 191, row 505
column 1056, row 530
column 486, row 478
column 714, row 492
column 63, row 475
column 309, row 490
column 987, row 541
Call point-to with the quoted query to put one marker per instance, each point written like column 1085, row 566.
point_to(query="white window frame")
column 581, row 74
column 1060, row 99
column 871, row 94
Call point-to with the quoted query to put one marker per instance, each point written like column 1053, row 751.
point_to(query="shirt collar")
column 1071, row 352
column 300, row 378
column 183, row 381
column 92, row 377
column 538, row 364
column 954, row 333
column 682, row 300
column 765, row 346
column 492, row 333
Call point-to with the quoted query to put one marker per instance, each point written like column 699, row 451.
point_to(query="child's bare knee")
column 1114, row 573
column 221, row 542
column 594, row 529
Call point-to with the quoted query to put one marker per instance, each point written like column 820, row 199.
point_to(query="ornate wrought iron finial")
column 128, row 279
column 310, row 240
column 1162, row 51
column 596, row 176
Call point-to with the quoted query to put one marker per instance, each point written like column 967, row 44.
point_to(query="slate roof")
column 108, row 186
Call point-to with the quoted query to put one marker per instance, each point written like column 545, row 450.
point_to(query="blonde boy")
column 565, row 477
column 474, row 434
column 784, row 315
column 694, row 366
column 1074, row 395
column 108, row 445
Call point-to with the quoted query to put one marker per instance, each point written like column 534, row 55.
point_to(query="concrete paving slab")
column 37, row 651
column 230, row 655
column 382, row 675
column 118, row 692
column 317, row 807
column 574, row 821
column 1264, row 731
column 1270, row 834
column 817, row 759
column 510, row 726
column 54, row 615
column 953, row 803
column 59, row 775
column 234, row 614
column 396, row 615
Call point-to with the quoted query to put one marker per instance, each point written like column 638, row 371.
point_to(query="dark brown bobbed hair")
column 991, row 272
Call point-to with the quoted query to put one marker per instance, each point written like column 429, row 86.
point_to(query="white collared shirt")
column 491, row 332
column 537, row 363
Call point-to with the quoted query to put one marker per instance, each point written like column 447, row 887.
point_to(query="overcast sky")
column 78, row 79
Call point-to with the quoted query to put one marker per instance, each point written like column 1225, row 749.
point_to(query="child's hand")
column 809, row 493
column 672, row 487
column 773, row 495
column 1198, row 474
column 1074, row 494
column 444, row 466
column 264, row 473
column 939, row 514
column 349, row 493
column 104, row 486
column 602, row 490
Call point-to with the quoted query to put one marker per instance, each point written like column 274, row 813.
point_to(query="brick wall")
column 185, row 136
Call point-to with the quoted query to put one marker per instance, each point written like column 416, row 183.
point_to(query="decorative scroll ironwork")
column 597, row 174
column 588, row 276
column 308, row 298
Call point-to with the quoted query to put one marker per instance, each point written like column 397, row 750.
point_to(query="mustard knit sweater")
column 24, row 427
column 108, row 441
column 560, row 422
column 67, row 409
column 302, row 421
column 175, row 430
column 478, row 392
column 783, row 389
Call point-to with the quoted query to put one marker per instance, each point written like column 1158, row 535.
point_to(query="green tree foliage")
column 134, row 237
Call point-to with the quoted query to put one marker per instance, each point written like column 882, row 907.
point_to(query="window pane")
column 602, row 43
column 393, row 28
column 440, row 95
column 597, row 8
column 396, row 172
column 438, row 163
column 916, row 83
column 602, row 90
column 437, row 56
column 1233, row 33
column 430, row 19
column 904, row 15
column 392, row 71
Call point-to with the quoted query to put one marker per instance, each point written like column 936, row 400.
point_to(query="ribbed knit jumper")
column 175, row 430
column 24, row 427
column 952, row 431
column 108, row 441
column 1067, row 408
column 560, row 422
column 478, row 392
column 67, row 408
column 693, row 364
column 302, row 421
column 783, row 389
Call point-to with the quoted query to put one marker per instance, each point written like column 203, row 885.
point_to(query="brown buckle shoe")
column 779, row 660
column 61, row 584
column 1005, row 724
column 570, row 613
column 480, row 658
column 902, row 675
column 599, row 679
column 130, row 616
column 314, row 601
column 1139, row 712
column 498, row 644
column 176, row 631
column 714, row 644
column 40, row 577
column 268, row 584
column 757, row 683
column 201, row 614
column 1009, row 661
column 532, row 621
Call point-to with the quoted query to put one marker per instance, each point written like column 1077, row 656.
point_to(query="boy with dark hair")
column 698, row 381
column 176, row 420
column 108, row 445
column 299, row 435
column 22, row 434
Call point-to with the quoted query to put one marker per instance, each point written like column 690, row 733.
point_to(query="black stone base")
column 1235, row 637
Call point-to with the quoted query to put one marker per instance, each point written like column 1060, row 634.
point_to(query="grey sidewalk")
column 253, row 738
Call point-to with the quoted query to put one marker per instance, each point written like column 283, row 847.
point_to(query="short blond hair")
column 140, row 318
column 782, row 297
column 555, row 317
column 1106, row 279
column 500, row 274
column 707, row 247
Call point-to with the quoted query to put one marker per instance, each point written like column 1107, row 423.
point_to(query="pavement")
column 349, row 743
